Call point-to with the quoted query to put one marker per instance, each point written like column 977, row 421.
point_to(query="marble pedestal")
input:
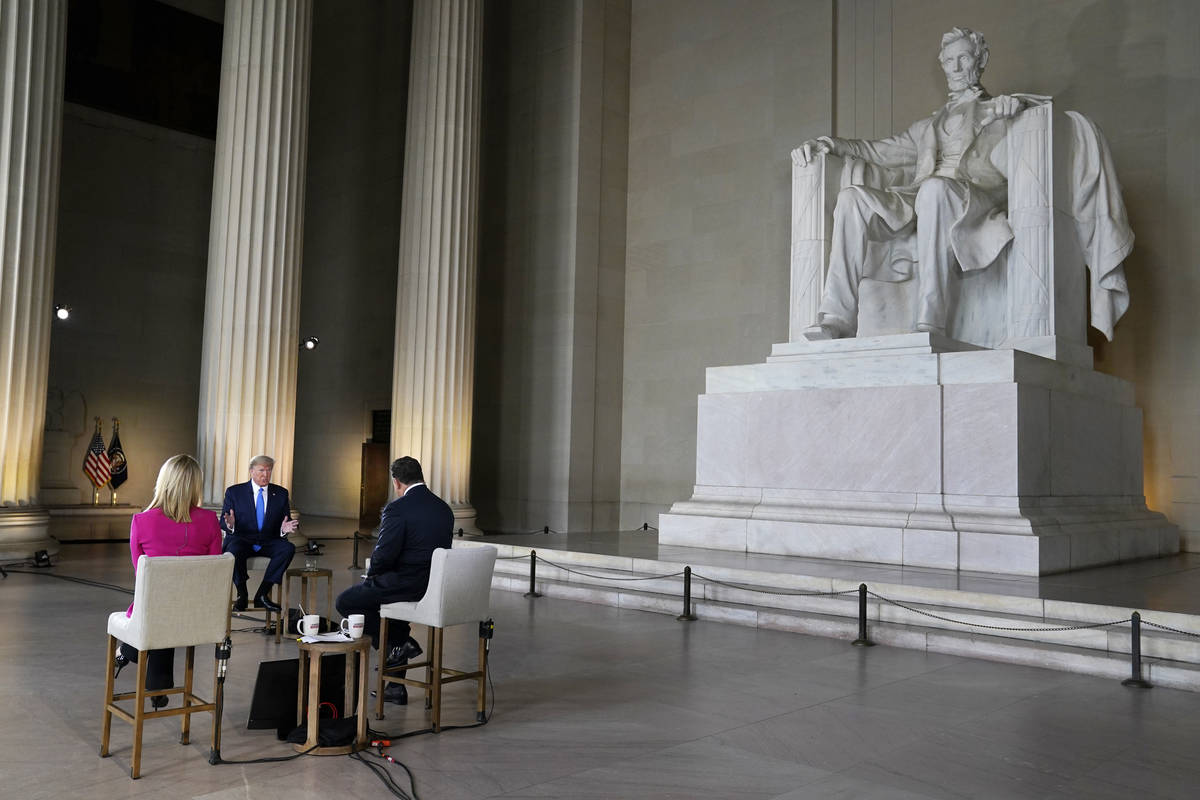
column 923, row 451
column 23, row 531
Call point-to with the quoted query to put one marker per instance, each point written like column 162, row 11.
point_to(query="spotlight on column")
column 62, row 312
column 309, row 343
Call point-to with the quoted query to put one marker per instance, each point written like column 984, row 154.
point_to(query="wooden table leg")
column 348, row 683
column 314, row 700
column 300, row 690
column 364, row 666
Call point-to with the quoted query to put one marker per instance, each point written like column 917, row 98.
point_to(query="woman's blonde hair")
column 177, row 490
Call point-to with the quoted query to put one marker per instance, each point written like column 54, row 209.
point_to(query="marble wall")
column 719, row 95
column 131, row 260
column 358, row 93
column 551, row 265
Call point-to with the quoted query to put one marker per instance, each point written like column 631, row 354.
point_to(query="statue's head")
column 963, row 56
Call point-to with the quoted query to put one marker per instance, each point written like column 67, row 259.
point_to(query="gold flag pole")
column 113, row 492
column 95, row 488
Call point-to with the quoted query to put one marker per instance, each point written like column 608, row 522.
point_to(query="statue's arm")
column 894, row 151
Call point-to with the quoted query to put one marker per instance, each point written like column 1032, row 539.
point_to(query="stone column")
column 32, row 47
column 433, row 374
column 252, row 303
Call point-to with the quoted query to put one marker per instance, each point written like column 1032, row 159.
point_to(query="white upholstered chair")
column 178, row 601
column 459, row 593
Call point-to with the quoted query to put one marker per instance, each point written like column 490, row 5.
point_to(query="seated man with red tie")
column 256, row 518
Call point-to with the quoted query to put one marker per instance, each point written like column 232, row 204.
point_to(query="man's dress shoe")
column 396, row 693
column 262, row 601
column 401, row 654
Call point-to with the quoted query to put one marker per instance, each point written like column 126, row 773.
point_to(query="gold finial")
column 97, row 424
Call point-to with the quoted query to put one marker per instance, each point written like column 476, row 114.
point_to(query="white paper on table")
column 332, row 636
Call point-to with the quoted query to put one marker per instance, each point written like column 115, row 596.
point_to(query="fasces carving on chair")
column 960, row 207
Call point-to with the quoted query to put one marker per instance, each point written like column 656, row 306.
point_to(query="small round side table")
column 308, row 600
column 310, row 654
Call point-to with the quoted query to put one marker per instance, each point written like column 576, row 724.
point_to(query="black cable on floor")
column 269, row 759
column 385, row 777
column 72, row 579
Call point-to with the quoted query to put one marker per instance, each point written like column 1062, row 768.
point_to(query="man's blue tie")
column 260, row 507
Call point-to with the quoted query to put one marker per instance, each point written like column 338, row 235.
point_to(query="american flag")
column 96, row 464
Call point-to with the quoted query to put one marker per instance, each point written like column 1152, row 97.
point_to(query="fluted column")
column 433, row 375
column 252, row 303
column 32, row 45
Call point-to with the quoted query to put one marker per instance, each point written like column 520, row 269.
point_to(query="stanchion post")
column 862, row 640
column 533, row 592
column 687, row 615
column 1135, row 653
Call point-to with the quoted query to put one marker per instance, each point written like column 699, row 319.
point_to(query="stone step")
column 938, row 620
column 1113, row 664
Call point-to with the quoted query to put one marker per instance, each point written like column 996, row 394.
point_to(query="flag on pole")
column 118, row 467
column 96, row 464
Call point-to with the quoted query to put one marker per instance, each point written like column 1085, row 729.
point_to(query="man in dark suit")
column 412, row 526
column 257, row 518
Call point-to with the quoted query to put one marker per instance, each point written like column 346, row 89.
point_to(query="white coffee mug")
column 352, row 626
column 309, row 625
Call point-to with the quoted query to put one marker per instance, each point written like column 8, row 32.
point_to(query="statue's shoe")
column 830, row 327
column 925, row 327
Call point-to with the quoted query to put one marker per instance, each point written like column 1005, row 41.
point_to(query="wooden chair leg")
column 383, row 651
column 139, row 715
column 287, row 591
column 109, row 685
column 281, row 616
column 436, row 679
column 429, row 645
column 189, row 663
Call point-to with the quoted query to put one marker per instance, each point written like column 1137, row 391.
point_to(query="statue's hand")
column 1002, row 106
column 803, row 155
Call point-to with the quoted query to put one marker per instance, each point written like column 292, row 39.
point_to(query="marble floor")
column 599, row 702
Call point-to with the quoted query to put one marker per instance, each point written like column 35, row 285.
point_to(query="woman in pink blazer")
column 172, row 525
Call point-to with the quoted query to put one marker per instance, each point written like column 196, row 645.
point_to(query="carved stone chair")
column 1033, row 298
column 178, row 601
column 459, row 593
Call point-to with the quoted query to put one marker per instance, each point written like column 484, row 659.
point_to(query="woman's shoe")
column 159, row 701
column 119, row 663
